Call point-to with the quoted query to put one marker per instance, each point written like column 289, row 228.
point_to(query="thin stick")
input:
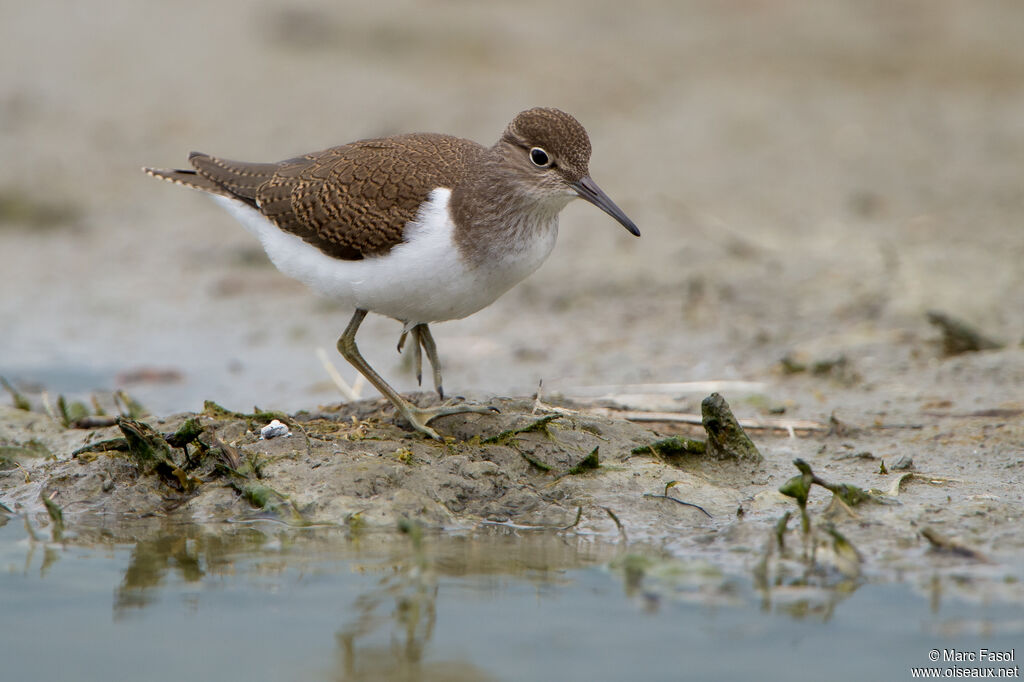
column 690, row 418
column 698, row 387
column 676, row 499
column 350, row 393
column 618, row 524
column 45, row 397
column 538, row 404
column 536, row 399
column 579, row 515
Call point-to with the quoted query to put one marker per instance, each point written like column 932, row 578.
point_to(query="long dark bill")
column 588, row 189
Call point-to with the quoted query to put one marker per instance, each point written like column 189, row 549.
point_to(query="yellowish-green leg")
column 426, row 340
column 417, row 416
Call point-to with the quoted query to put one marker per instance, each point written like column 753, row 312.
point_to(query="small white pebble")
column 273, row 430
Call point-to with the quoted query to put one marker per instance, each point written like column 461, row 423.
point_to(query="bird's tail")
column 188, row 178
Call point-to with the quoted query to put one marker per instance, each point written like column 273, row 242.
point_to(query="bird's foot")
column 420, row 417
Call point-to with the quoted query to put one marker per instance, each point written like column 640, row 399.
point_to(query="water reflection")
column 150, row 562
column 405, row 599
column 385, row 631
column 323, row 603
column 411, row 587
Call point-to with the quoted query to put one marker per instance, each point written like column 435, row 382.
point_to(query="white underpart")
column 423, row 279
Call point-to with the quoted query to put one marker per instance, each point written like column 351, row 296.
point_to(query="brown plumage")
column 354, row 201
column 350, row 201
column 495, row 226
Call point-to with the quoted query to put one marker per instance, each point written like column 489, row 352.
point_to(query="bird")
column 419, row 227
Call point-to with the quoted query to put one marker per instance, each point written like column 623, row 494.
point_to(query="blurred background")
column 806, row 176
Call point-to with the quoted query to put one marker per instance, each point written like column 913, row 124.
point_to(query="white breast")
column 423, row 279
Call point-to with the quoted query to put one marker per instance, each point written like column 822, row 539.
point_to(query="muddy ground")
column 934, row 488
column 810, row 182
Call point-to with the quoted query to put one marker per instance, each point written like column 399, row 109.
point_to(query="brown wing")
column 350, row 201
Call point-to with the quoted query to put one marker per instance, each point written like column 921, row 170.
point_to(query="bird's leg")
column 417, row 353
column 426, row 340
column 417, row 416
column 416, row 348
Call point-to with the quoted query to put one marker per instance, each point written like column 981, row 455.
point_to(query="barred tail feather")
column 187, row 178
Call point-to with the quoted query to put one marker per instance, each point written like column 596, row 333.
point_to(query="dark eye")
column 539, row 157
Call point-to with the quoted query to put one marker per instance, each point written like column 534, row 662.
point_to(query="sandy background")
column 808, row 177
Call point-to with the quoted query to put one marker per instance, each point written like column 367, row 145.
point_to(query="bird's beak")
column 587, row 189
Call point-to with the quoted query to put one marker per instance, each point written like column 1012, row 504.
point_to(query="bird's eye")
column 539, row 157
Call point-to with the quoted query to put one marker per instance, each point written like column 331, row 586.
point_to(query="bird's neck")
column 495, row 213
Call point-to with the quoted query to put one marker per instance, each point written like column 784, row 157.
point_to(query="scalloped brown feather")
column 350, row 201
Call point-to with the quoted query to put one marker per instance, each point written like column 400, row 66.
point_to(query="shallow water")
column 255, row 602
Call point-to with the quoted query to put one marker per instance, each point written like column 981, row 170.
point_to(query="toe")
column 420, row 424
